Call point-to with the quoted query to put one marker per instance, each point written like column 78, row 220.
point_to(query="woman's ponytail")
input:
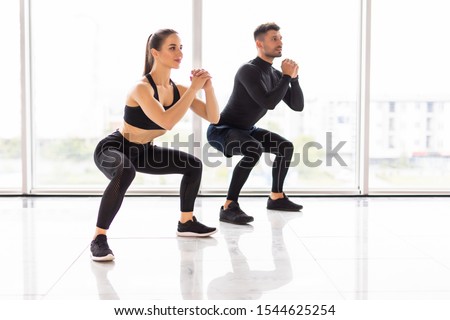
column 148, row 65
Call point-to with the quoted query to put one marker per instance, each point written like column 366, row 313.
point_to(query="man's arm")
column 294, row 96
column 250, row 78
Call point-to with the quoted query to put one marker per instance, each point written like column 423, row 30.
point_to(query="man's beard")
column 274, row 54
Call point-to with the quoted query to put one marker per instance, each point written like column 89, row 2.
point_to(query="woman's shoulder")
column 141, row 84
column 181, row 88
column 140, row 88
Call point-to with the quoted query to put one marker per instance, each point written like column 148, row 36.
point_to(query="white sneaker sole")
column 193, row 234
column 109, row 257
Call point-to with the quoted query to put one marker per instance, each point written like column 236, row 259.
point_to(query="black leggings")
column 251, row 144
column 119, row 160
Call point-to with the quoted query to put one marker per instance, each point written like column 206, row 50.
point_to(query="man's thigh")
column 236, row 140
column 270, row 141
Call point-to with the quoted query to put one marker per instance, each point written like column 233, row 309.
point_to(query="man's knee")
column 252, row 149
column 286, row 148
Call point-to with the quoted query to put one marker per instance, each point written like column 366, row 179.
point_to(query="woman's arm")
column 208, row 110
column 143, row 93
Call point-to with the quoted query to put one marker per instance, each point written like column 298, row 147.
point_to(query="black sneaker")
column 100, row 250
column 193, row 228
column 234, row 214
column 283, row 204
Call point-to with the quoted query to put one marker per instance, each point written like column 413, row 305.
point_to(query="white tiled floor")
column 336, row 248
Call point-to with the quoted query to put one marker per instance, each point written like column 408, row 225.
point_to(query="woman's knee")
column 194, row 166
column 115, row 164
column 128, row 172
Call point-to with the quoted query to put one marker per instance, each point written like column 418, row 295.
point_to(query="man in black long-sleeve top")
column 258, row 87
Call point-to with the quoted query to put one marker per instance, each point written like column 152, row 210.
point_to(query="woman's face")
column 170, row 54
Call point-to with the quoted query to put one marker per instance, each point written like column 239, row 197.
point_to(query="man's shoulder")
column 249, row 66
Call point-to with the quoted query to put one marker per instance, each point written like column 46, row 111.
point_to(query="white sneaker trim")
column 193, row 234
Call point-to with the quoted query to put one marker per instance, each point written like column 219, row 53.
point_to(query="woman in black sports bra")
column 155, row 104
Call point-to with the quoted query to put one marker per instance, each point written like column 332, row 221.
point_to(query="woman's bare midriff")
column 140, row 136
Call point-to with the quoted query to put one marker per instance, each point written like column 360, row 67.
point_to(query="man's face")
column 272, row 44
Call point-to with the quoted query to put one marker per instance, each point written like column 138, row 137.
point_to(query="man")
column 258, row 87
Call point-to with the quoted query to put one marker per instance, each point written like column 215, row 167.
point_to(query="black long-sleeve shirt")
column 258, row 87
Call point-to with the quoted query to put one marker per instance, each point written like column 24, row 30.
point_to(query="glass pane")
column 322, row 36
column 85, row 58
column 410, row 105
column 10, row 107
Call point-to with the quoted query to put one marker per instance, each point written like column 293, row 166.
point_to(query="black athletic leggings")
column 251, row 144
column 119, row 160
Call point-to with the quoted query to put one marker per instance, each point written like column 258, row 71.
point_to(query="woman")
column 153, row 106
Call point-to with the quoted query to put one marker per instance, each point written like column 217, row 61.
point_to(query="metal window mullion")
column 362, row 267
column 364, row 96
column 197, row 18
column 25, row 83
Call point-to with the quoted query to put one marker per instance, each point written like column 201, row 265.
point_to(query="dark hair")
column 155, row 41
column 263, row 28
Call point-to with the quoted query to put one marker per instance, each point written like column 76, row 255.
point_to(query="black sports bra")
column 136, row 116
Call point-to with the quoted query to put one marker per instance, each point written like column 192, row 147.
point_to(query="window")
column 10, row 97
column 325, row 46
column 86, row 55
column 429, row 124
column 84, row 60
column 391, row 142
column 429, row 142
column 405, row 164
column 391, row 106
column 391, row 124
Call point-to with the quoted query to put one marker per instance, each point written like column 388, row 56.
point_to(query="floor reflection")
column 243, row 282
column 341, row 248
column 105, row 289
column 191, row 266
